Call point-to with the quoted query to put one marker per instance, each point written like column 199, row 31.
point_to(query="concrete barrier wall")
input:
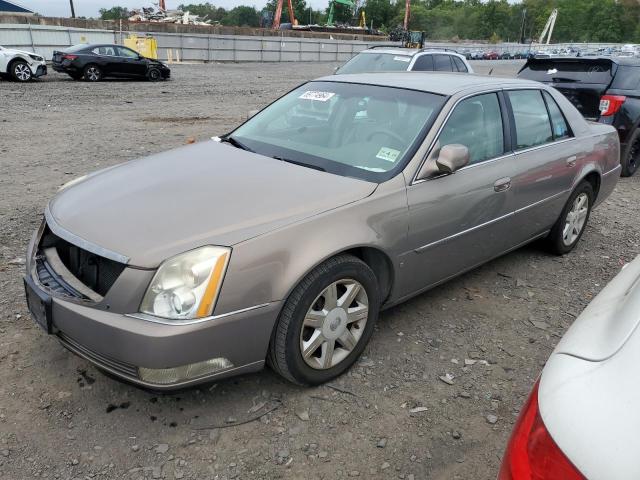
column 44, row 39
column 197, row 47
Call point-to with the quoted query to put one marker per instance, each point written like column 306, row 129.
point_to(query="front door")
column 461, row 220
column 131, row 63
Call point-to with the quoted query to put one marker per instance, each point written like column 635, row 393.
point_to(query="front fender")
column 267, row 268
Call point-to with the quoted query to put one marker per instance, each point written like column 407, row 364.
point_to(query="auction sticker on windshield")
column 402, row 59
column 315, row 95
column 388, row 154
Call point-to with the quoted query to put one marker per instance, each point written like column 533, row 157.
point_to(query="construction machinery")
column 278, row 15
column 548, row 28
column 332, row 6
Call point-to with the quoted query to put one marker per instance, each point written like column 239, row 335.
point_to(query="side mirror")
column 251, row 113
column 452, row 157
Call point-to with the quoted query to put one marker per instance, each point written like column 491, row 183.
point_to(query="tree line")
column 578, row 20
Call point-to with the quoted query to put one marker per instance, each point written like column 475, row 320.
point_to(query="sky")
column 90, row 8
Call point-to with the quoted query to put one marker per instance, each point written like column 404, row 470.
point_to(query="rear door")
column 582, row 80
column 547, row 157
column 106, row 58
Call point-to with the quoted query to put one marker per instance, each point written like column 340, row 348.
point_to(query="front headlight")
column 187, row 285
column 37, row 58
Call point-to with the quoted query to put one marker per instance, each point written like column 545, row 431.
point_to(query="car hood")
column 208, row 193
column 21, row 52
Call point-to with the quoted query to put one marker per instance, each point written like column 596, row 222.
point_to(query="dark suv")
column 604, row 89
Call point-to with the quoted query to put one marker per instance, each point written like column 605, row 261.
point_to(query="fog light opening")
column 167, row 376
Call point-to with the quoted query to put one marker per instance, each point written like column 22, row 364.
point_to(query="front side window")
column 424, row 63
column 357, row 130
column 442, row 63
column 476, row 123
column 533, row 126
column 558, row 122
column 376, row 62
column 127, row 52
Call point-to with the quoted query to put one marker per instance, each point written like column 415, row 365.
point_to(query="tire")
column 560, row 241
column 293, row 334
column 20, row 71
column 92, row 73
column 154, row 75
column 631, row 157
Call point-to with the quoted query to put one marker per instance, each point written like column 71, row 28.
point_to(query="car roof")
column 409, row 51
column 443, row 83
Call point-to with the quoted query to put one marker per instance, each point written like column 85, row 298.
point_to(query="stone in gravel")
column 156, row 472
column 323, row 454
column 354, row 473
column 135, row 448
column 17, row 261
column 385, row 465
column 75, row 461
column 382, row 443
column 447, row 378
column 539, row 324
column 178, row 474
column 464, row 394
column 5, row 453
column 456, row 434
column 303, row 414
column 418, row 409
column 492, row 419
column 214, row 435
column 162, row 448
column 231, row 420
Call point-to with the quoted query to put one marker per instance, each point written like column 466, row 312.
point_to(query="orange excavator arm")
column 161, row 5
column 278, row 15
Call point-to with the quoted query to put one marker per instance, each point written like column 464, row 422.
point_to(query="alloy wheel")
column 93, row 74
column 575, row 220
column 334, row 324
column 22, row 72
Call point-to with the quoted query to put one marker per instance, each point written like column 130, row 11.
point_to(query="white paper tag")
column 402, row 59
column 388, row 154
column 315, row 95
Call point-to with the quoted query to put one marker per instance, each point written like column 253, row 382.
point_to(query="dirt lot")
column 60, row 418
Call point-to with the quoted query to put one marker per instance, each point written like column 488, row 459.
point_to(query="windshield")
column 376, row 62
column 570, row 71
column 356, row 130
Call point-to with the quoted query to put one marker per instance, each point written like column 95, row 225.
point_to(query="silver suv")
column 396, row 59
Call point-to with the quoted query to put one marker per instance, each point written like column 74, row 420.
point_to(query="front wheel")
column 154, row 75
column 92, row 73
column 574, row 217
column 20, row 71
column 326, row 322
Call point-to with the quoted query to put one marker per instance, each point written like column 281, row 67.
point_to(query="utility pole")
column 73, row 12
column 523, row 26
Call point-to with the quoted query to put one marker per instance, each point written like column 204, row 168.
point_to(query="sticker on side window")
column 402, row 59
column 388, row 154
column 315, row 95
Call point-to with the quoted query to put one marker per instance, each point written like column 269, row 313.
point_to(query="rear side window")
column 459, row 64
column 424, row 63
column 442, row 63
column 558, row 123
column 106, row 50
column 627, row 78
column 476, row 123
column 533, row 126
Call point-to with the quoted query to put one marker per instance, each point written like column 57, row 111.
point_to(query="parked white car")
column 20, row 65
column 582, row 418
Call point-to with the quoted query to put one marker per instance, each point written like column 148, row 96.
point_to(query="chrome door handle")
column 571, row 161
column 502, row 184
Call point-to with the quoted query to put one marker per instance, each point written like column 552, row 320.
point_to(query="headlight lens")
column 37, row 58
column 187, row 285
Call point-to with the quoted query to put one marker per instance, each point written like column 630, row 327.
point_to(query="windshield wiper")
column 302, row 164
column 235, row 143
column 564, row 79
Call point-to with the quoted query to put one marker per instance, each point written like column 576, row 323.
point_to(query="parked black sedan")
column 95, row 62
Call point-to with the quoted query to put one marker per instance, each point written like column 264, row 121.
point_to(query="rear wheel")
column 92, row 73
column 631, row 156
column 570, row 226
column 20, row 71
column 326, row 322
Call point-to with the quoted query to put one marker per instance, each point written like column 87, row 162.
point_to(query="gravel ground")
column 391, row 416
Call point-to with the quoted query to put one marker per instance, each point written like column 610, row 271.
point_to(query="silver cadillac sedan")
column 281, row 241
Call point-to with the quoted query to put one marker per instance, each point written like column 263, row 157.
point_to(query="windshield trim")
column 375, row 177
